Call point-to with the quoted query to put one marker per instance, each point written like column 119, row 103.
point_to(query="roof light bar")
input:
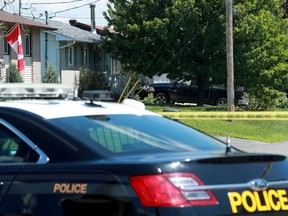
column 98, row 95
column 34, row 90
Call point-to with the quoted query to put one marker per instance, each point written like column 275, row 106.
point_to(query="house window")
column 70, row 56
column 27, row 46
column 85, row 56
column 6, row 46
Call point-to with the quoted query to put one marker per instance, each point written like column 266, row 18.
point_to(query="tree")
column 186, row 39
column 50, row 75
column 261, row 46
column 13, row 76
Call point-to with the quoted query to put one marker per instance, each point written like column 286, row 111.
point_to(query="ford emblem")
column 258, row 184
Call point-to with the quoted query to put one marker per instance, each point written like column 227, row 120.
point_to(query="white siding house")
column 69, row 48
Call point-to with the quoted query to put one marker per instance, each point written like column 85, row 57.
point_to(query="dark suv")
column 183, row 92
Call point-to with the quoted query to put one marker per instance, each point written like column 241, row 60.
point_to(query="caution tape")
column 257, row 115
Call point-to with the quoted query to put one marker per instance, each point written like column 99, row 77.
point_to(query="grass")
column 269, row 131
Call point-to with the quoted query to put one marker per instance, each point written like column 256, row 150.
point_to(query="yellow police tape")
column 257, row 115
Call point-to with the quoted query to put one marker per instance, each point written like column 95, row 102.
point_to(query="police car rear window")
column 133, row 133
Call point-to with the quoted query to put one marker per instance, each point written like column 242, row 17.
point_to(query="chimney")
column 72, row 22
column 93, row 25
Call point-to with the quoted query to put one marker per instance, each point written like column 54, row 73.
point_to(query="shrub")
column 283, row 101
column 50, row 75
column 91, row 80
column 264, row 99
column 149, row 99
column 13, row 76
column 137, row 97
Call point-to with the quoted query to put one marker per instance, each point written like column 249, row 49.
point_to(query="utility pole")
column 230, row 62
column 20, row 5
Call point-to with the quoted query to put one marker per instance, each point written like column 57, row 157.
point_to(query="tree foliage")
column 181, row 38
column 261, row 48
column 13, row 76
column 91, row 80
column 187, row 39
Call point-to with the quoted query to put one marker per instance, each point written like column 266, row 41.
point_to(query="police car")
column 97, row 157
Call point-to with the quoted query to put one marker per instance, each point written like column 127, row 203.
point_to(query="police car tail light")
column 171, row 190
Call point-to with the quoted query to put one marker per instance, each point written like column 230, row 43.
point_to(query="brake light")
column 171, row 189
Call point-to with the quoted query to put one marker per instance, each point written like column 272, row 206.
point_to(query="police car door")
column 10, row 164
column 15, row 154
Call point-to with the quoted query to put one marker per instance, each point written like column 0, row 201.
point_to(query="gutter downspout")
column 46, row 43
column 62, row 47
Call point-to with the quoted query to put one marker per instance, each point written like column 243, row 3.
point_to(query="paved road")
column 257, row 146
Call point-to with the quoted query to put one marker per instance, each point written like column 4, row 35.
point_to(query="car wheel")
column 161, row 98
column 221, row 102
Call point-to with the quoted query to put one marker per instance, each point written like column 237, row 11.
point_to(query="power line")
column 75, row 7
column 47, row 3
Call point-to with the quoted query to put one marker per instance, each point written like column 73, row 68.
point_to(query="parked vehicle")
column 183, row 92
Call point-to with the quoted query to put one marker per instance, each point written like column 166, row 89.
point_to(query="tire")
column 162, row 99
column 221, row 102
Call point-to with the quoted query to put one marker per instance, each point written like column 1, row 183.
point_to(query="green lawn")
column 261, row 130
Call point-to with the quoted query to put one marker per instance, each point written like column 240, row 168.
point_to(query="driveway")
column 259, row 147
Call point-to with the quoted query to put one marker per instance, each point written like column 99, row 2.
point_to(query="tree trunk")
column 201, row 82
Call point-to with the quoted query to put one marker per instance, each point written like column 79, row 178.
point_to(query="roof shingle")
column 11, row 19
column 72, row 32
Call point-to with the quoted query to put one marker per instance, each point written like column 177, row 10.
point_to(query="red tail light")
column 171, row 190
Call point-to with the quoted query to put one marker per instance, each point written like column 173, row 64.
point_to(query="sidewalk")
column 258, row 147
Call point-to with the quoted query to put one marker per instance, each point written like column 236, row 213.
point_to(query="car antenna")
column 228, row 147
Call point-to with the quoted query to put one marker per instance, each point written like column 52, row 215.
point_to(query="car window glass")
column 131, row 133
column 13, row 149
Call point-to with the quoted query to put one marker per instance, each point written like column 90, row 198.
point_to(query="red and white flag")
column 15, row 41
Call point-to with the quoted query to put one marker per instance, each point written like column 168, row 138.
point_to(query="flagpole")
column 12, row 29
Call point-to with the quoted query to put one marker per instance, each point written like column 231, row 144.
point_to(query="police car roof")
column 57, row 108
column 65, row 108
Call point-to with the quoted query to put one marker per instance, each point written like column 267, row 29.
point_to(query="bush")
column 264, row 99
column 50, row 75
column 149, row 99
column 283, row 101
column 137, row 98
column 13, row 76
column 91, row 80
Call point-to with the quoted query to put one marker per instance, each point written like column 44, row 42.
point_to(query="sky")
column 59, row 10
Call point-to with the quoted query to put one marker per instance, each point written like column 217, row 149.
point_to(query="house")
column 46, row 42
column 30, row 32
column 69, row 48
